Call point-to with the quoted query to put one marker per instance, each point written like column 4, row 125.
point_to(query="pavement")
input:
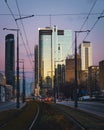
column 8, row 105
column 90, row 107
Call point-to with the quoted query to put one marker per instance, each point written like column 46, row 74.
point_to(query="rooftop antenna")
column 50, row 19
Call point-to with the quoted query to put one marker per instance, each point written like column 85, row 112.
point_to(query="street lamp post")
column 76, row 80
column 24, row 17
column 18, row 87
column 18, row 59
column 100, row 17
column 23, row 84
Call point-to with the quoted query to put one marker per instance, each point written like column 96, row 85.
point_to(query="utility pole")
column 23, row 92
column 18, row 63
column 76, row 80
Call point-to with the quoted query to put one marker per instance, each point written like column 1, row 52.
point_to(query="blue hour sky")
column 65, row 14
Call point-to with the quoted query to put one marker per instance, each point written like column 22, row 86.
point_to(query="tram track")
column 17, row 117
column 41, row 115
column 76, row 123
column 35, row 118
column 56, row 109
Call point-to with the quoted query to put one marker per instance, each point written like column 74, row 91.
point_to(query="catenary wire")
column 24, row 31
column 72, row 14
column 88, row 15
column 94, row 25
column 87, row 18
column 19, row 29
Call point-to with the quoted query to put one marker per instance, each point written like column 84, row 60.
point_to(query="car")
column 84, row 98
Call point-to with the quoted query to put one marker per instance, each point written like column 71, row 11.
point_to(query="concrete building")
column 32, row 88
column 85, row 51
column 101, row 75
column 70, row 69
column 93, row 80
column 2, row 87
column 8, row 92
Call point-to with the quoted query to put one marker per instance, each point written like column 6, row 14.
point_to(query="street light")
column 76, row 82
column 24, row 17
column 18, row 87
column 100, row 17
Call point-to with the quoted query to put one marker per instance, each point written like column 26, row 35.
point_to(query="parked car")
column 84, row 98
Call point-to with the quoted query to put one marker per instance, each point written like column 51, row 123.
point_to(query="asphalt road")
column 91, row 107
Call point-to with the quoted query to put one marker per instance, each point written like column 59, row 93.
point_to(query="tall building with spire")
column 54, row 46
column 10, row 60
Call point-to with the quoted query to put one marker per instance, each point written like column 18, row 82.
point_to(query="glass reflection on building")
column 54, row 46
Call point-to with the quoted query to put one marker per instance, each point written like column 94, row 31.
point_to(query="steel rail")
column 77, row 123
column 35, row 118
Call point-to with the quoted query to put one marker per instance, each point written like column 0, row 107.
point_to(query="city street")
column 92, row 107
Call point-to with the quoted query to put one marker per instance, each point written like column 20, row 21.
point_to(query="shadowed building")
column 93, row 80
column 36, row 76
column 36, row 65
column 70, row 69
column 101, row 75
column 10, row 60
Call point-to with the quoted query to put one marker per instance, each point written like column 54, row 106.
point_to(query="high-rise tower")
column 54, row 46
column 10, row 60
column 85, row 50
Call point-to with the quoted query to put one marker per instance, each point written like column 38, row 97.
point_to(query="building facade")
column 10, row 60
column 85, row 51
column 101, row 75
column 36, row 65
column 54, row 46
column 2, row 87
column 70, row 69
column 93, row 80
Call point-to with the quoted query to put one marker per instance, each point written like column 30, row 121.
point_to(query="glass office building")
column 54, row 46
column 10, row 60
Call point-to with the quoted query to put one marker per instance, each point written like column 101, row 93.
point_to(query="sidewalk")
column 10, row 105
column 91, row 107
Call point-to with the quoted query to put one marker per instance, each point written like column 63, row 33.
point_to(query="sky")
column 65, row 14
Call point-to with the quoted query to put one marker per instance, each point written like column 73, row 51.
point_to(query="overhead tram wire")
column 64, row 14
column 19, row 29
column 71, row 14
column 24, row 31
column 87, row 18
column 6, row 14
column 88, row 15
column 94, row 25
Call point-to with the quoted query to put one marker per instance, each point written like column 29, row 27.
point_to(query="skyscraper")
column 54, row 47
column 10, row 60
column 85, row 50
